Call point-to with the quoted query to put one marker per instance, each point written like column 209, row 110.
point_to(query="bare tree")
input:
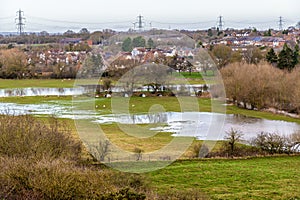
column 253, row 55
column 100, row 150
column 261, row 86
column 232, row 138
column 222, row 55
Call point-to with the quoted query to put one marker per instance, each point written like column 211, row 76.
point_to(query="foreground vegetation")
column 255, row 178
column 40, row 159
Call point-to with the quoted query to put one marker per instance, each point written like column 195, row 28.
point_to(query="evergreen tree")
column 268, row 33
column 127, row 45
column 271, row 56
column 296, row 55
column 286, row 58
column 138, row 42
column 150, row 43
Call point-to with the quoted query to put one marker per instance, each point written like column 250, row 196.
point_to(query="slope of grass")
column 256, row 178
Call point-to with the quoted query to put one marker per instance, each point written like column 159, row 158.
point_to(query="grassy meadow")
column 194, row 78
column 255, row 178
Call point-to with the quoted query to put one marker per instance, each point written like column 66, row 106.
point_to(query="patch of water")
column 195, row 124
column 43, row 92
column 56, row 109
column 74, row 91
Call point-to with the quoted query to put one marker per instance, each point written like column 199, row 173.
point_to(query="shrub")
column 274, row 143
column 27, row 137
column 39, row 160
column 200, row 151
column 60, row 179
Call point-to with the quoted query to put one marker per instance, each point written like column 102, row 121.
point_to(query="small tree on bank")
column 232, row 138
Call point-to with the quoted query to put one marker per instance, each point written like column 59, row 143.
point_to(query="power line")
column 183, row 23
column 20, row 22
column 77, row 22
column 4, row 18
column 139, row 24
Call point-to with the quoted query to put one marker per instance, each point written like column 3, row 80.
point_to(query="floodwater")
column 42, row 92
column 82, row 90
column 198, row 124
column 195, row 124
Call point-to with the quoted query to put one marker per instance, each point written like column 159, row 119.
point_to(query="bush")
column 274, row 143
column 200, row 151
column 27, row 137
column 125, row 193
column 39, row 160
column 59, row 179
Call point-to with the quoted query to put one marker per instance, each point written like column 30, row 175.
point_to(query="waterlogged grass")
column 28, row 83
column 256, row 178
column 194, row 78
column 260, row 114
column 45, row 83
column 129, row 143
column 34, row 100
column 147, row 104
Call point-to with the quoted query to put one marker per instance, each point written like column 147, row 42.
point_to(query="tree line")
column 139, row 41
column 262, row 86
column 287, row 58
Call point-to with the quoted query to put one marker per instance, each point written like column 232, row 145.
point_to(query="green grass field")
column 194, row 78
column 26, row 83
column 256, row 178
column 46, row 83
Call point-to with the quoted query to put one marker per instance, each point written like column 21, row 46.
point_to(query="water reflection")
column 83, row 89
column 43, row 91
column 195, row 124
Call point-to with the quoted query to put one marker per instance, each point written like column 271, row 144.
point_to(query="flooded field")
column 195, row 124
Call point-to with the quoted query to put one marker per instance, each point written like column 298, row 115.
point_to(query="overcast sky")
column 58, row 15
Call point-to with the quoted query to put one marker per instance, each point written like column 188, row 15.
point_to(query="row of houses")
column 55, row 56
column 147, row 55
column 244, row 40
column 259, row 41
